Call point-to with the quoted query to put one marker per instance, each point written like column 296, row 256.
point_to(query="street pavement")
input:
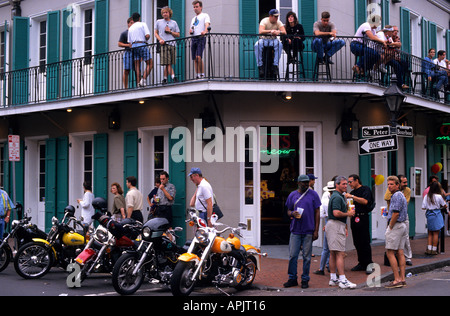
column 274, row 270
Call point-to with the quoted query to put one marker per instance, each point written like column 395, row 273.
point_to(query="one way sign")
column 377, row 144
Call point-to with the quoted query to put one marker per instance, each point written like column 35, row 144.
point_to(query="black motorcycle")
column 22, row 231
column 107, row 242
column 154, row 259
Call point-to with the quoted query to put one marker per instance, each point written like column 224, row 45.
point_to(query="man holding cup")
column 303, row 207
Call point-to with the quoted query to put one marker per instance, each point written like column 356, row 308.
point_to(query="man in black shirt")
column 360, row 223
column 128, row 55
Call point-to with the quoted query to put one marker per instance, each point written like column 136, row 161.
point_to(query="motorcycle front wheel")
column 123, row 280
column 33, row 260
column 248, row 275
column 181, row 283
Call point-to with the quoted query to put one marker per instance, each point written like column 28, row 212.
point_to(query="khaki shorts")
column 335, row 231
column 168, row 55
column 396, row 238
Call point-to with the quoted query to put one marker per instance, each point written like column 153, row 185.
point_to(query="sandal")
column 394, row 285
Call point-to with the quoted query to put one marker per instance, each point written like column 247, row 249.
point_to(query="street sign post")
column 14, row 147
column 375, row 131
column 377, row 144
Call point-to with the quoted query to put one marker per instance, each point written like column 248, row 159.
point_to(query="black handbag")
column 216, row 209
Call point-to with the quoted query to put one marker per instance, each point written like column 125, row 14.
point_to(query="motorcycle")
column 214, row 259
column 22, row 231
column 107, row 241
column 63, row 244
column 154, row 259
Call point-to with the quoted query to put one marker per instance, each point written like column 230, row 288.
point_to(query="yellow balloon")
column 440, row 166
column 379, row 179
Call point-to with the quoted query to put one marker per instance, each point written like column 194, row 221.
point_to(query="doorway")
column 276, row 187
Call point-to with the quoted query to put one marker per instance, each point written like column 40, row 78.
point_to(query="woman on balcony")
column 295, row 35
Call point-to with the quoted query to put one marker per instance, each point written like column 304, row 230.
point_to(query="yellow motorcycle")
column 64, row 242
column 214, row 259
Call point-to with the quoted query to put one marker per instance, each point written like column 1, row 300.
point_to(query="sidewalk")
column 274, row 270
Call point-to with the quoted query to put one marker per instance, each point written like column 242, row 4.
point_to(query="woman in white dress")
column 87, row 210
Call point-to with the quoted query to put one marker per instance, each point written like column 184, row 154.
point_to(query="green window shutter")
column 307, row 17
column 53, row 35
column 432, row 35
column 62, row 175
column 360, row 13
column 136, row 6
column 20, row 60
column 179, row 9
column 405, row 29
column 248, row 26
column 101, row 46
column 447, row 37
column 101, row 165
column 19, row 172
column 424, row 33
column 66, row 66
column 50, row 181
column 130, row 159
column 177, row 173
column 385, row 12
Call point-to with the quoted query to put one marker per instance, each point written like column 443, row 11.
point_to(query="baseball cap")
column 312, row 177
column 303, row 178
column 274, row 12
column 195, row 171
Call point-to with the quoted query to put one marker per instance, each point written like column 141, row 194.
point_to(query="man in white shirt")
column 134, row 200
column 199, row 27
column 138, row 35
column 203, row 197
column 441, row 73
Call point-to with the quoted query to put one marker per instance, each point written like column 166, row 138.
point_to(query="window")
column 248, row 170
column 88, row 161
column 159, row 155
column 42, row 172
column 42, row 45
column 88, row 35
column 309, row 152
column 2, row 52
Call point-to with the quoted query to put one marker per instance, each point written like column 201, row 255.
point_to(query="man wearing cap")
column 312, row 180
column 303, row 207
column 270, row 27
column 202, row 200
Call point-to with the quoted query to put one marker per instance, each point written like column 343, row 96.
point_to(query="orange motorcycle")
column 214, row 259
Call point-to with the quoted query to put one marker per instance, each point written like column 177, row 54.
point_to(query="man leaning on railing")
column 270, row 27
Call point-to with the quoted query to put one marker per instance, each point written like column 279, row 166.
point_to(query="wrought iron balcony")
column 227, row 57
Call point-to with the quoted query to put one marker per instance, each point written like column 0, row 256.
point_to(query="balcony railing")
column 226, row 57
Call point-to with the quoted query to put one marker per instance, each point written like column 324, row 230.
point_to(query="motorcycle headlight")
column 14, row 223
column 202, row 236
column 146, row 232
column 54, row 220
column 101, row 234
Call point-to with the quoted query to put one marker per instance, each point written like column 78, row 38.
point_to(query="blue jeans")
column 330, row 47
column 441, row 78
column 368, row 57
column 277, row 47
column 325, row 256
column 297, row 242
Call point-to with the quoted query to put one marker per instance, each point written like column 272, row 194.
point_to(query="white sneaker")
column 142, row 82
column 346, row 284
column 333, row 282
